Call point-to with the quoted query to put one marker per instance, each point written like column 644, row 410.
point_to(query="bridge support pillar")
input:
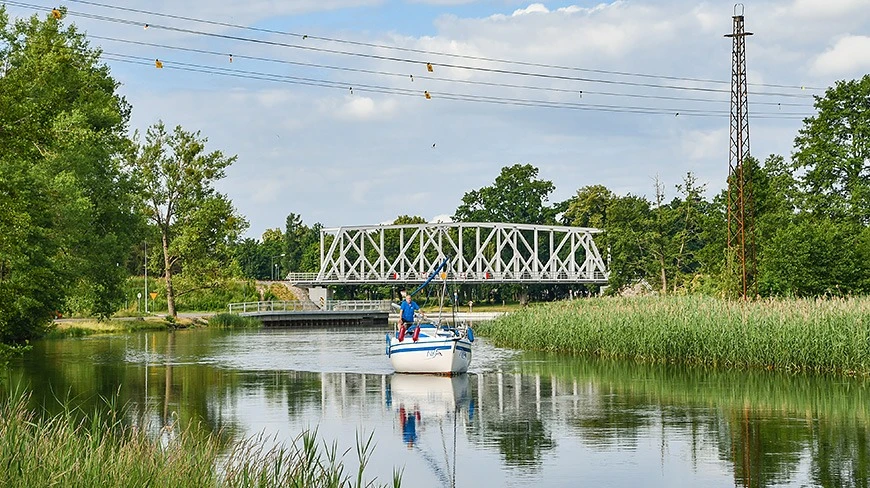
column 320, row 295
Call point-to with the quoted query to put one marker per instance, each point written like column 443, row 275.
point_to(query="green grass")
column 103, row 450
column 824, row 335
column 81, row 328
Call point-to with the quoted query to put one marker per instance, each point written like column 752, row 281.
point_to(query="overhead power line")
column 297, row 80
column 435, row 78
column 408, row 60
column 426, row 52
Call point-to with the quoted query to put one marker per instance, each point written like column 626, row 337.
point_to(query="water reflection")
column 515, row 420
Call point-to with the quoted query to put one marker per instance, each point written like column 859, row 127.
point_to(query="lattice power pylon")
column 741, row 232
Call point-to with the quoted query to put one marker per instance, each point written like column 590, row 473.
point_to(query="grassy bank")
column 806, row 335
column 102, row 451
column 81, row 328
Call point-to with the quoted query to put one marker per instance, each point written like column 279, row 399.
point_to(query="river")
column 516, row 419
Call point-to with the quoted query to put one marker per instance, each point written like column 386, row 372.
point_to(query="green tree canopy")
column 832, row 151
column 65, row 203
column 588, row 208
column 517, row 196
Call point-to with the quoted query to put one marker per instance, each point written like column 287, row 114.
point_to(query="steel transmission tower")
column 741, row 233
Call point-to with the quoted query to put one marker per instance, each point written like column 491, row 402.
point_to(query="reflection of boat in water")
column 431, row 346
column 428, row 401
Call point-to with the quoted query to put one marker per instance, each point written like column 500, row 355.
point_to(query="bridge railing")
column 354, row 276
column 270, row 306
column 303, row 277
column 341, row 305
column 299, row 306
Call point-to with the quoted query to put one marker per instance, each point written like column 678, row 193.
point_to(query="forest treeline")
column 82, row 200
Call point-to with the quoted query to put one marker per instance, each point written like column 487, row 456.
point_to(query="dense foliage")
column 66, row 206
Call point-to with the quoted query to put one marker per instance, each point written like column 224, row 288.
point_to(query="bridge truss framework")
column 477, row 252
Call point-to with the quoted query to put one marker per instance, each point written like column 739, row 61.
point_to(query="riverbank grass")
column 103, row 450
column 86, row 327
column 823, row 335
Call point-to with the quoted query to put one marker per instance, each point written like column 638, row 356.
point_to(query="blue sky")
column 353, row 157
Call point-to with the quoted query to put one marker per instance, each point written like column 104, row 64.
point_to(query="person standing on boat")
column 409, row 306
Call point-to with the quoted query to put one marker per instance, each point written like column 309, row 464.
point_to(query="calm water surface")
column 517, row 419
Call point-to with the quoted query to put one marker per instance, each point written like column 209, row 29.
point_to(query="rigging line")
column 435, row 78
column 436, row 53
column 412, row 61
column 415, row 93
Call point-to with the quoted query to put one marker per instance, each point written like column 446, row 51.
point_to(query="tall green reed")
column 102, row 449
column 822, row 335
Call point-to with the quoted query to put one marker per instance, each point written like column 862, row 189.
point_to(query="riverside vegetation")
column 815, row 335
column 102, row 449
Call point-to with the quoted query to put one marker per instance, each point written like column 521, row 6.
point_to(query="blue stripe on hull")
column 418, row 346
column 415, row 349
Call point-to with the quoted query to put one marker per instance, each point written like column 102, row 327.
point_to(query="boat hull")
column 431, row 354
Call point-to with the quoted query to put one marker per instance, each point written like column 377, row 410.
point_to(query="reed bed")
column 821, row 335
column 99, row 450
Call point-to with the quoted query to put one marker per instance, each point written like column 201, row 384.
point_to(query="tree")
column 832, row 151
column 589, row 207
column 517, row 196
column 65, row 203
column 628, row 252
column 196, row 224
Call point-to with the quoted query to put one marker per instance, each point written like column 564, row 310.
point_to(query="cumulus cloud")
column 850, row 55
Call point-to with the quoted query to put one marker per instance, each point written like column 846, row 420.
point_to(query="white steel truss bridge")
column 477, row 253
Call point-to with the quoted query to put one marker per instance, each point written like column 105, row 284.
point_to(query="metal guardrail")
column 303, row 277
column 270, row 306
column 299, row 306
column 379, row 305
column 354, row 276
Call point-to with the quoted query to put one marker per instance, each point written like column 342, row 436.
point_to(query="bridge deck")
column 320, row 318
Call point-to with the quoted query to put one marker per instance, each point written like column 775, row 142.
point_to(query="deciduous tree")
column 65, row 204
column 196, row 223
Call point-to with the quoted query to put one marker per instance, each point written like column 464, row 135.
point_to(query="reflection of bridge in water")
column 500, row 393
column 478, row 253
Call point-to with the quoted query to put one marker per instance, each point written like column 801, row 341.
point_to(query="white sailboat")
column 431, row 346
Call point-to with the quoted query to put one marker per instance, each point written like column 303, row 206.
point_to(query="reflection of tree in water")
column 522, row 441
column 764, row 450
column 767, row 424
column 840, row 460
column 140, row 373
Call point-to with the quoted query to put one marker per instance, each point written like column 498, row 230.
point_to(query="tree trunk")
column 664, row 275
column 170, row 293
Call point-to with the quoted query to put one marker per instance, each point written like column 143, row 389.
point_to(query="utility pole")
column 146, row 277
column 741, row 212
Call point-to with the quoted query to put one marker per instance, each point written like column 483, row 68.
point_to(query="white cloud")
column 366, row 108
column 850, row 55
column 441, row 219
column 705, row 145
column 535, row 8
column 826, row 9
